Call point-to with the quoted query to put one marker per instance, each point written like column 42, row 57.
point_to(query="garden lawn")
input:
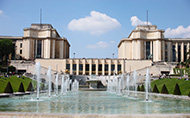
column 15, row 82
column 170, row 85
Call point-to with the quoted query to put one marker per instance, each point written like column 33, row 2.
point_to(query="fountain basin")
column 94, row 102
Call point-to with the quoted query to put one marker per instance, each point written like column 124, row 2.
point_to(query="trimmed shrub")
column 30, row 87
column 138, row 88
column 164, row 90
column 142, row 88
column 189, row 94
column 177, row 90
column 21, row 88
column 155, row 89
column 8, row 88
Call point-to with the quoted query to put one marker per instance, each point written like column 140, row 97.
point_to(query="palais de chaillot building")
column 145, row 45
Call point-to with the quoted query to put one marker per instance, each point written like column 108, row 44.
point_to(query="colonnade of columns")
column 180, row 51
column 98, row 71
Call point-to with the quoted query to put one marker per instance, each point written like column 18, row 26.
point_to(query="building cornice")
column 130, row 39
column 51, row 38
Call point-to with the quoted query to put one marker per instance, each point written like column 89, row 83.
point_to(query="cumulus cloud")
column 97, row 23
column 179, row 32
column 1, row 12
column 100, row 44
column 136, row 21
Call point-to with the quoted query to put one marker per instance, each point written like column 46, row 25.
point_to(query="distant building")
column 148, row 42
column 145, row 44
column 40, row 41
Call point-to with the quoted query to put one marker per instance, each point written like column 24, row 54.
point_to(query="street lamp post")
column 73, row 55
column 113, row 55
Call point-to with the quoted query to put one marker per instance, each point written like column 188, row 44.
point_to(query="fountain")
column 128, row 85
column 56, row 84
column 135, row 82
column 62, row 84
column 96, row 102
column 38, row 71
column 49, row 77
column 147, row 85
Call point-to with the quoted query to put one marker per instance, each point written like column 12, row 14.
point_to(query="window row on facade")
column 93, row 69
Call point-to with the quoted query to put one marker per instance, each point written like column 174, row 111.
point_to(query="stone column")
column 134, row 49
column 96, row 62
column 138, row 50
column 61, row 49
column 42, row 51
column 109, row 67
column 71, row 67
column 176, row 50
column 188, row 51
column 163, row 50
column 123, row 66
column 182, row 52
column 53, row 49
column 77, row 62
column 116, row 69
column 169, row 50
column 144, row 49
column 103, row 67
column 90, row 67
column 84, row 66
column 47, row 47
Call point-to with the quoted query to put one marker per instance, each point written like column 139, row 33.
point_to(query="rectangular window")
column 20, row 45
column 99, row 69
column 112, row 69
column 39, row 48
column 173, row 53
column 20, row 51
column 119, row 68
column 106, row 69
column 179, row 53
column 87, row 67
column 148, row 50
column 93, row 68
column 68, row 67
column 185, row 52
column 74, row 67
column 80, row 69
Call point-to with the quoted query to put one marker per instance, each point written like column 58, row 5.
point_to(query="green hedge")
column 15, row 82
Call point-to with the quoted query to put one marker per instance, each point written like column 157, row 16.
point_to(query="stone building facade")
column 148, row 42
column 40, row 41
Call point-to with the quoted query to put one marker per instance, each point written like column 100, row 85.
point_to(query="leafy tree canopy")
column 6, row 47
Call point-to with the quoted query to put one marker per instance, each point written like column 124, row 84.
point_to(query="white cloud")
column 100, row 44
column 1, row 12
column 135, row 21
column 179, row 32
column 97, row 23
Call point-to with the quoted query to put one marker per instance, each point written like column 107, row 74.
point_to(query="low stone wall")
column 47, row 115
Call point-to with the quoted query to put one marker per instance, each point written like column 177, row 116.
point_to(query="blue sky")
column 95, row 27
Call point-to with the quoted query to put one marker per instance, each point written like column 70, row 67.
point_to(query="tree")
column 6, row 47
column 164, row 90
column 155, row 89
column 177, row 90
